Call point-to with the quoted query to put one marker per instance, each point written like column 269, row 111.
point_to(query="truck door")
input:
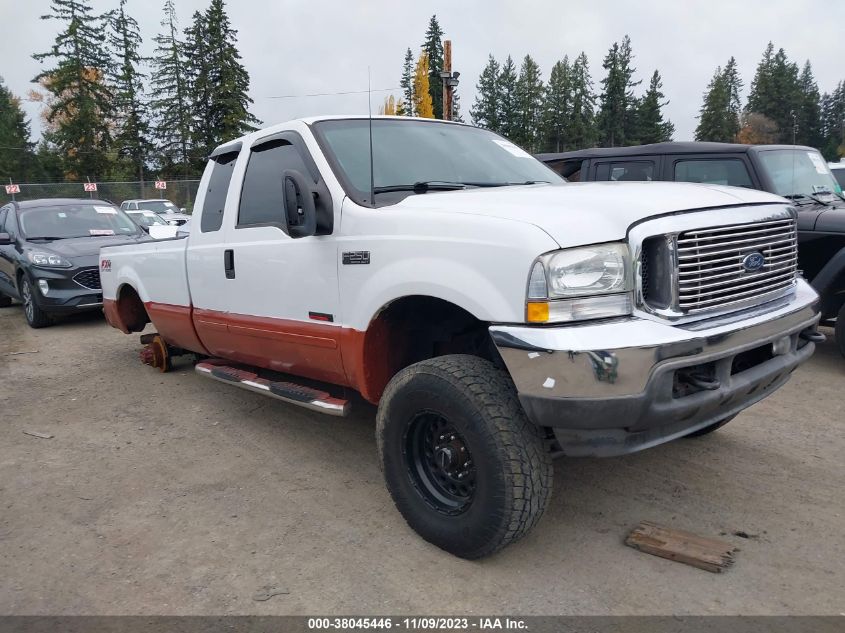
column 206, row 248
column 281, row 292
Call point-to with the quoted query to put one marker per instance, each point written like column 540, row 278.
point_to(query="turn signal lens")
column 537, row 311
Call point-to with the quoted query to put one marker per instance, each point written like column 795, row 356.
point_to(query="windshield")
column 406, row 152
column 159, row 206
column 798, row 172
column 77, row 220
column 147, row 218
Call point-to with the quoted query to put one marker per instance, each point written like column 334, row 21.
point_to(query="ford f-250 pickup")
column 497, row 315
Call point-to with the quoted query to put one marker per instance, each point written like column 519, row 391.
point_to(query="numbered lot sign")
column 90, row 186
column 161, row 184
column 13, row 188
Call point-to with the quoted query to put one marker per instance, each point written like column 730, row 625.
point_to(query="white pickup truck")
column 497, row 315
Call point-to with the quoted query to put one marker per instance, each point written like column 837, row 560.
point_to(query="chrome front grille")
column 88, row 278
column 726, row 265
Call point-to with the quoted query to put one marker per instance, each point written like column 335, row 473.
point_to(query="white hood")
column 585, row 213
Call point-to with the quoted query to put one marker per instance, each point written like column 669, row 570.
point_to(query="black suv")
column 795, row 172
column 49, row 254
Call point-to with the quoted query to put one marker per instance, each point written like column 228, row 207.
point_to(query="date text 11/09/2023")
column 417, row 623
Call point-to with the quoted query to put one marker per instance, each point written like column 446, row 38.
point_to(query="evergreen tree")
column 719, row 116
column 508, row 112
column 78, row 113
column 617, row 116
column 16, row 148
column 485, row 110
column 199, row 87
column 130, row 117
column 529, row 95
column 219, row 81
column 557, row 110
column 456, row 107
column 433, row 47
column 582, row 119
column 169, row 84
column 652, row 127
column 809, row 112
column 407, row 84
column 422, row 95
column 833, row 123
column 775, row 93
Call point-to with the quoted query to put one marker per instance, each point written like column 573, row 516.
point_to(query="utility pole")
column 449, row 79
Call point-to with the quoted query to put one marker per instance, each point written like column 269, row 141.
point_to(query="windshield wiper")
column 806, row 196
column 447, row 185
column 49, row 237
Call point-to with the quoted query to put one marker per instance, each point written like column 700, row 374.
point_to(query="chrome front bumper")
column 611, row 387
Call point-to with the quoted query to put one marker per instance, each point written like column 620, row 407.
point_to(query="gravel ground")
column 173, row 494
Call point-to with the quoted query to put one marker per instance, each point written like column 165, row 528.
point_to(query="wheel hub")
column 439, row 463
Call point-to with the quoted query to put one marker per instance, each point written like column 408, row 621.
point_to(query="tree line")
column 784, row 106
column 110, row 113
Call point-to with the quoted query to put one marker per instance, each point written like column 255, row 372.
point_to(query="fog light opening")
column 43, row 286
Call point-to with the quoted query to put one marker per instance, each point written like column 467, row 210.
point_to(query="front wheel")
column 35, row 316
column 465, row 467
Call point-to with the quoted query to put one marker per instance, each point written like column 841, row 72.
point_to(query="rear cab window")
column 713, row 171
column 626, row 171
column 215, row 195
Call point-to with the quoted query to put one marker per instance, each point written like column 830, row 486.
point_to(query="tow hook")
column 700, row 380
column 813, row 335
column 155, row 352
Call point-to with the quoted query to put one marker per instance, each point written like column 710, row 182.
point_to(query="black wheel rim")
column 28, row 305
column 439, row 463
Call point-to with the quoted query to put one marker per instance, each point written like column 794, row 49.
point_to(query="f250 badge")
column 356, row 257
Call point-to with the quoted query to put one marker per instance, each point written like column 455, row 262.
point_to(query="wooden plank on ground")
column 685, row 547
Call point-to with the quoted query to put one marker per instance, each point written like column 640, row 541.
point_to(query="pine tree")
column 78, row 113
column 485, row 110
column 388, row 108
column 833, row 123
column 557, row 110
column 582, row 121
column 219, row 80
column 719, row 116
column 652, row 127
column 407, row 84
column 132, row 129
column 617, row 116
column 422, row 95
column 169, row 84
column 809, row 112
column 433, row 47
column 529, row 95
column 775, row 93
column 508, row 112
column 456, row 107
column 198, row 81
column 16, row 148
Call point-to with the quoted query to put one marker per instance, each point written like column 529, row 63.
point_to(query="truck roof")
column 691, row 147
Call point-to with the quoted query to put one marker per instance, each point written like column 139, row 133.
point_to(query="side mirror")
column 6, row 239
column 300, row 210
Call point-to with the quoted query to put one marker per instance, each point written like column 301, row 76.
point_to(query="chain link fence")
column 182, row 193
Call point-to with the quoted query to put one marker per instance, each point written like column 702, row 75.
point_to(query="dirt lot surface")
column 173, row 494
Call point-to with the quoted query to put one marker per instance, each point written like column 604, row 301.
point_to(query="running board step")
column 290, row 392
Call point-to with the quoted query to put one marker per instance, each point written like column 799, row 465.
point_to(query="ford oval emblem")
column 753, row 261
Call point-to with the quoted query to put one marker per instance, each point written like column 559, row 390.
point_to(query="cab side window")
column 626, row 171
column 215, row 196
column 714, row 171
column 263, row 189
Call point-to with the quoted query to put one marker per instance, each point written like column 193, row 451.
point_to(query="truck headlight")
column 575, row 284
column 48, row 260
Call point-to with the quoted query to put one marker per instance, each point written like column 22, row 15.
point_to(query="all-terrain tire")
column 839, row 331
column 510, row 465
column 35, row 316
column 713, row 427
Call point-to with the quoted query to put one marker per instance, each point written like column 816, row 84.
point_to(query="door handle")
column 229, row 263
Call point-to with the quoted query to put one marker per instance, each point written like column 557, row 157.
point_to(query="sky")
column 298, row 47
